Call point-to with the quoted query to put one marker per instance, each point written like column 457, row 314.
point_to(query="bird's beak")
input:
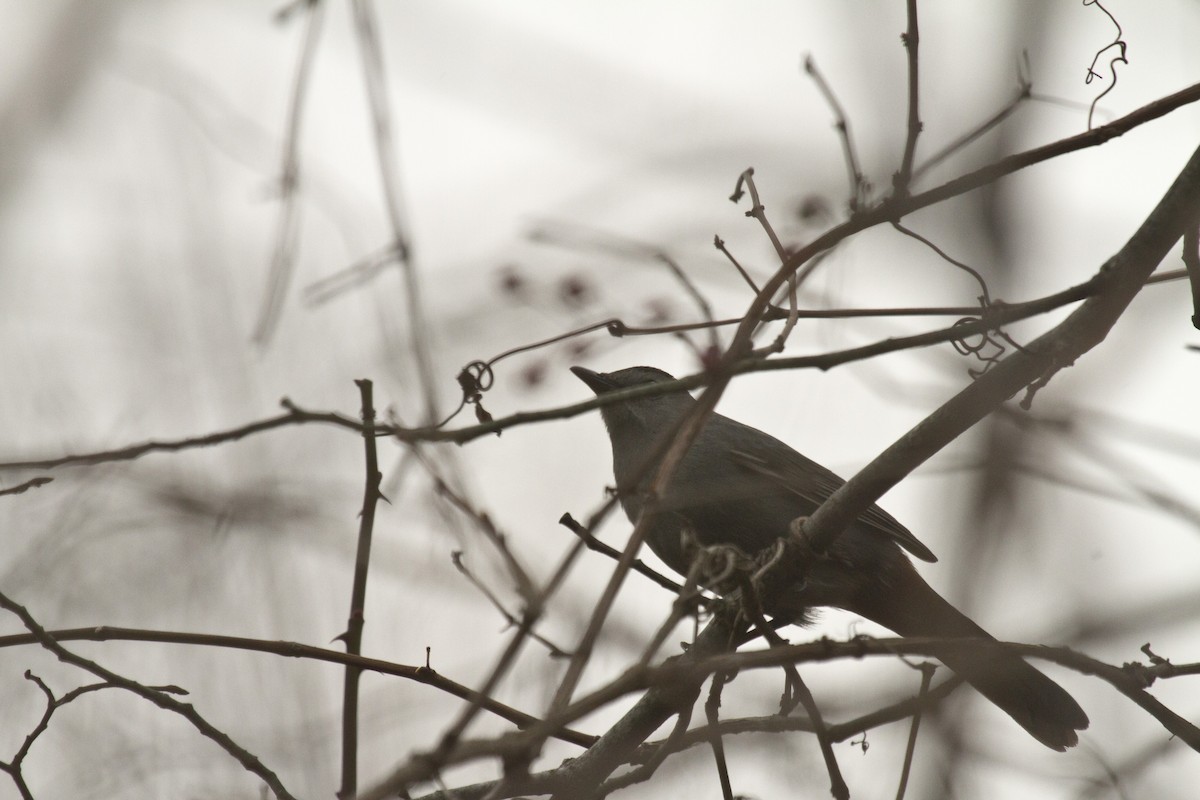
column 598, row 382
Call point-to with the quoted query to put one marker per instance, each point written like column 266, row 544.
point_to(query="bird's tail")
column 1038, row 704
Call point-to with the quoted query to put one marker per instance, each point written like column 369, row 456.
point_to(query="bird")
column 739, row 486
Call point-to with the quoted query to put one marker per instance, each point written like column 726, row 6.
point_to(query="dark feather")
column 814, row 483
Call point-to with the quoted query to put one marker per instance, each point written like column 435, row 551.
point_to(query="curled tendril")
column 475, row 379
column 1120, row 58
column 988, row 350
column 991, row 346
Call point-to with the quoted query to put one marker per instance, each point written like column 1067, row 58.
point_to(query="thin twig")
column 356, row 274
column 858, row 183
column 293, row 416
column 517, row 571
column 759, row 212
column 927, row 671
column 595, row 545
column 985, row 297
column 712, row 712
column 719, row 243
column 799, row 689
column 684, row 605
column 450, row 749
column 456, row 558
column 1024, row 92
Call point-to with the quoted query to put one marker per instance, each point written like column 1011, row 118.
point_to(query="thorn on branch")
column 1032, row 389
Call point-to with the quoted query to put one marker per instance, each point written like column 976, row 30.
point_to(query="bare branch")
column 157, row 696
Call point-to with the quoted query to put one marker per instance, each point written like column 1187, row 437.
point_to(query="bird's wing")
column 813, row 482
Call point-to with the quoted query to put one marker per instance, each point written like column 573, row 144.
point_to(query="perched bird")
column 739, row 486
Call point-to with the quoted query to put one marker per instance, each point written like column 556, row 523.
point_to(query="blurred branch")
column 374, row 71
column 1024, row 92
column 287, row 232
column 858, row 183
column 357, row 274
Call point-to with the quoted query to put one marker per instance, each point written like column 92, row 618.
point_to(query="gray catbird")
column 739, row 486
